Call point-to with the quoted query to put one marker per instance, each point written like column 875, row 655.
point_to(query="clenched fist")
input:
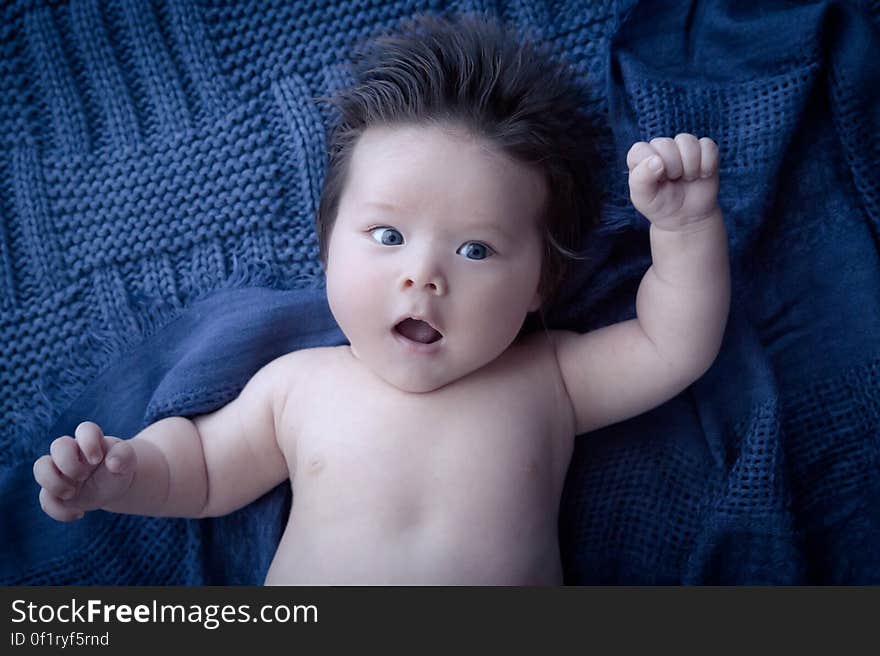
column 85, row 473
column 674, row 182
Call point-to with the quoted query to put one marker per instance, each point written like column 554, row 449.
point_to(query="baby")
column 433, row 449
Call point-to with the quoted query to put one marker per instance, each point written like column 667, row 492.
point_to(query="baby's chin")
column 414, row 383
column 412, row 379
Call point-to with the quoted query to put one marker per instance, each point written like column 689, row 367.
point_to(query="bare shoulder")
column 537, row 348
column 540, row 351
column 294, row 371
column 616, row 372
column 533, row 358
column 302, row 361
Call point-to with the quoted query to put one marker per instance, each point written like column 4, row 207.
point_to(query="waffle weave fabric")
column 159, row 173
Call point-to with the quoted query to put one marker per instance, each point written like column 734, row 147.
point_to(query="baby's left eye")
column 386, row 236
column 474, row 250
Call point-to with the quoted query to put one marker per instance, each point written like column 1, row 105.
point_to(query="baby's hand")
column 85, row 473
column 674, row 182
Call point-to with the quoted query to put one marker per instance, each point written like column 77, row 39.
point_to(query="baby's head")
column 458, row 184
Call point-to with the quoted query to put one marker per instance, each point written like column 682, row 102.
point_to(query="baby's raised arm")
column 176, row 467
column 622, row 370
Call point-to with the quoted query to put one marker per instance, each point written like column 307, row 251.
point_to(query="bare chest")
column 496, row 440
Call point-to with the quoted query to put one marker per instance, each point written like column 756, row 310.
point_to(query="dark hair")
column 473, row 72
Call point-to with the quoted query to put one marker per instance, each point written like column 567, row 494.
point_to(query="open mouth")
column 418, row 331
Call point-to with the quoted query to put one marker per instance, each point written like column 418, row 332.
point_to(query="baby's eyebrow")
column 492, row 227
column 487, row 225
column 384, row 206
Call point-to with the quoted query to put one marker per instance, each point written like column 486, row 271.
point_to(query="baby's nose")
column 433, row 284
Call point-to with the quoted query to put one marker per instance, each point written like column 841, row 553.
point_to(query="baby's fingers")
column 644, row 182
column 90, row 438
column 708, row 158
column 56, row 509
column 120, row 456
column 668, row 151
column 638, row 153
column 112, row 478
column 51, row 478
column 69, row 459
column 689, row 148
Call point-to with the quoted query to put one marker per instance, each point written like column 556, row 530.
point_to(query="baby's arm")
column 176, row 467
column 625, row 369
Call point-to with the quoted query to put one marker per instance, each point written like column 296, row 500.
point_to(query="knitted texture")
column 160, row 170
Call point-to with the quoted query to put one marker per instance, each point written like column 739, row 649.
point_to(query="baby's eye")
column 387, row 236
column 474, row 250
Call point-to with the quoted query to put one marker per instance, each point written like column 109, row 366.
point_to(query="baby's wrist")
column 684, row 224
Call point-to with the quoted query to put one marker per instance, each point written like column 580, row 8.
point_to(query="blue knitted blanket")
column 160, row 166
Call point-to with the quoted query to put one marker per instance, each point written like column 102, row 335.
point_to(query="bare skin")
column 441, row 463
column 427, row 488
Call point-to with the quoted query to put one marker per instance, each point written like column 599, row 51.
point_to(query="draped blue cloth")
column 161, row 166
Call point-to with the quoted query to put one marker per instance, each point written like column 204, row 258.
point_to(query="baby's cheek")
column 353, row 295
column 340, row 294
column 498, row 319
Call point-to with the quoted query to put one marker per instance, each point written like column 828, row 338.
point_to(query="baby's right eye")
column 387, row 236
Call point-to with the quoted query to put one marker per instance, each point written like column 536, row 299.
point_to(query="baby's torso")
column 456, row 486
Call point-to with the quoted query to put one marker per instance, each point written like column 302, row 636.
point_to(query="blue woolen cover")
column 160, row 165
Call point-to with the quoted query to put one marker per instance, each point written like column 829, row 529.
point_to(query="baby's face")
column 434, row 226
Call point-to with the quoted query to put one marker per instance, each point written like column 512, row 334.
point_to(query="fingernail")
column 113, row 463
column 94, row 460
column 655, row 164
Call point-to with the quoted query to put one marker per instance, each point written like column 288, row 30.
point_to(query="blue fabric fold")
column 196, row 363
column 765, row 470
